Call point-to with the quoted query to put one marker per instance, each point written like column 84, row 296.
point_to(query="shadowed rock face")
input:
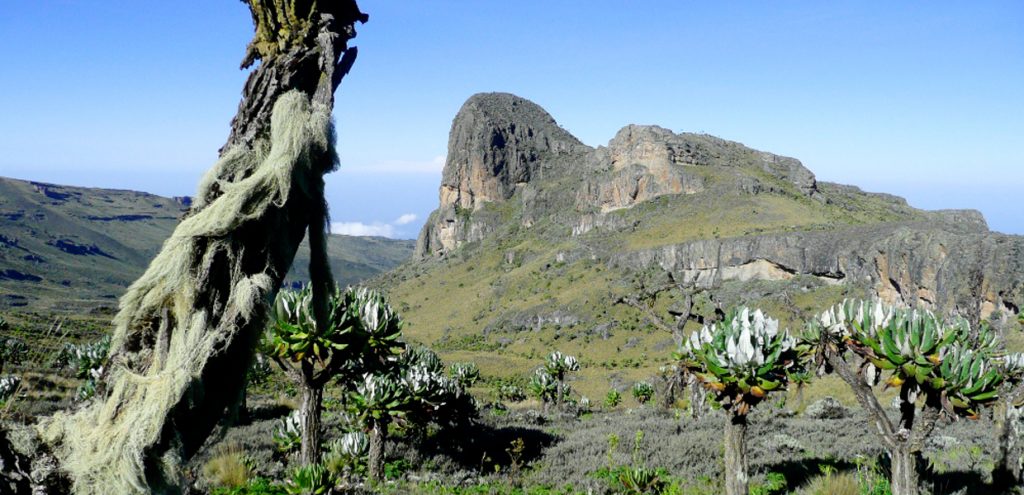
column 496, row 144
column 508, row 153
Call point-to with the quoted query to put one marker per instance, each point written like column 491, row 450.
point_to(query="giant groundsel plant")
column 939, row 367
column 740, row 361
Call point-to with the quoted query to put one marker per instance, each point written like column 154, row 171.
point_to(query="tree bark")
column 312, row 398
column 378, row 434
column 1008, row 461
column 187, row 329
column 736, row 481
column 904, row 470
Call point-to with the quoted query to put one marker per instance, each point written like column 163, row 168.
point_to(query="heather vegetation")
column 393, row 418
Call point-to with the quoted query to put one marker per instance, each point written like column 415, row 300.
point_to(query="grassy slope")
column 118, row 232
column 463, row 305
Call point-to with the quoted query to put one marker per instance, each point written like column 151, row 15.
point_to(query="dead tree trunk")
column 186, row 330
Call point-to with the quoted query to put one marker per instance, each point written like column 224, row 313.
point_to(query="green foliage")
column 12, row 351
column 378, row 397
column 8, row 385
column 558, row 364
column 295, row 331
column 288, row 433
column 643, row 392
column 311, row 479
column 87, row 362
column 510, row 393
column 543, row 386
column 742, row 358
column 466, row 374
column 345, row 456
column 396, row 469
column 774, row 484
column 256, row 486
column 612, row 399
column 922, row 353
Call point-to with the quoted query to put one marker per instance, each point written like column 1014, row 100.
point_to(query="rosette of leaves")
column 954, row 370
column 380, row 326
column 742, row 358
column 511, row 393
column 643, row 392
column 922, row 353
column 12, row 351
column 466, row 374
column 612, row 399
column 378, row 397
column 8, row 385
column 88, row 362
column 543, row 386
column 312, row 479
column 345, row 455
column 585, row 404
column 558, row 364
column 296, row 335
column 353, row 444
column 287, row 434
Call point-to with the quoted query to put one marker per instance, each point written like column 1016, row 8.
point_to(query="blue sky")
column 919, row 99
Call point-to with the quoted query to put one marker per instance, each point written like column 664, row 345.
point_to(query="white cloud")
column 433, row 166
column 406, row 219
column 363, row 229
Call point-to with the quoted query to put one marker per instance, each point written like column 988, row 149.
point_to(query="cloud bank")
column 375, row 229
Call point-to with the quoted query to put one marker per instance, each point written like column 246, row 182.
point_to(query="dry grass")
column 229, row 467
column 844, row 483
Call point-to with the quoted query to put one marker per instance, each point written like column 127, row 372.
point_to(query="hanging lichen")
column 180, row 314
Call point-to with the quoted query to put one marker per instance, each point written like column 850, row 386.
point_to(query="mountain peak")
column 496, row 143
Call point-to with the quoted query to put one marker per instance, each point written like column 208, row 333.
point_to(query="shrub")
column 12, row 351
column 548, row 382
column 311, row 479
column 612, row 399
column 288, row 433
column 87, row 362
column 643, row 392
column 510, row 393
column 466, row 374
column 345, row 455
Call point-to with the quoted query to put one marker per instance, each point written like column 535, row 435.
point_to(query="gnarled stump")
column 185, row 331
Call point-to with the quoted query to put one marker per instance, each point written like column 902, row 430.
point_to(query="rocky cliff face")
column 497, row 145
column 510, row 164
column 920, row 264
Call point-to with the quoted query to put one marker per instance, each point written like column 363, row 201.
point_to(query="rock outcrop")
column 501, row 144
column 917, row 264
column 497, row 145
column 510, row 166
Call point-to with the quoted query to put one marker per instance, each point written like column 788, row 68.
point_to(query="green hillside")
column 67, row 249
column 540, row 242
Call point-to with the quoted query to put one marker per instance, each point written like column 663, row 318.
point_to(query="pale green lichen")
column 105, row 446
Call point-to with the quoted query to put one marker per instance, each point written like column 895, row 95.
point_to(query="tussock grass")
column 229, row 467
column 844, row 483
